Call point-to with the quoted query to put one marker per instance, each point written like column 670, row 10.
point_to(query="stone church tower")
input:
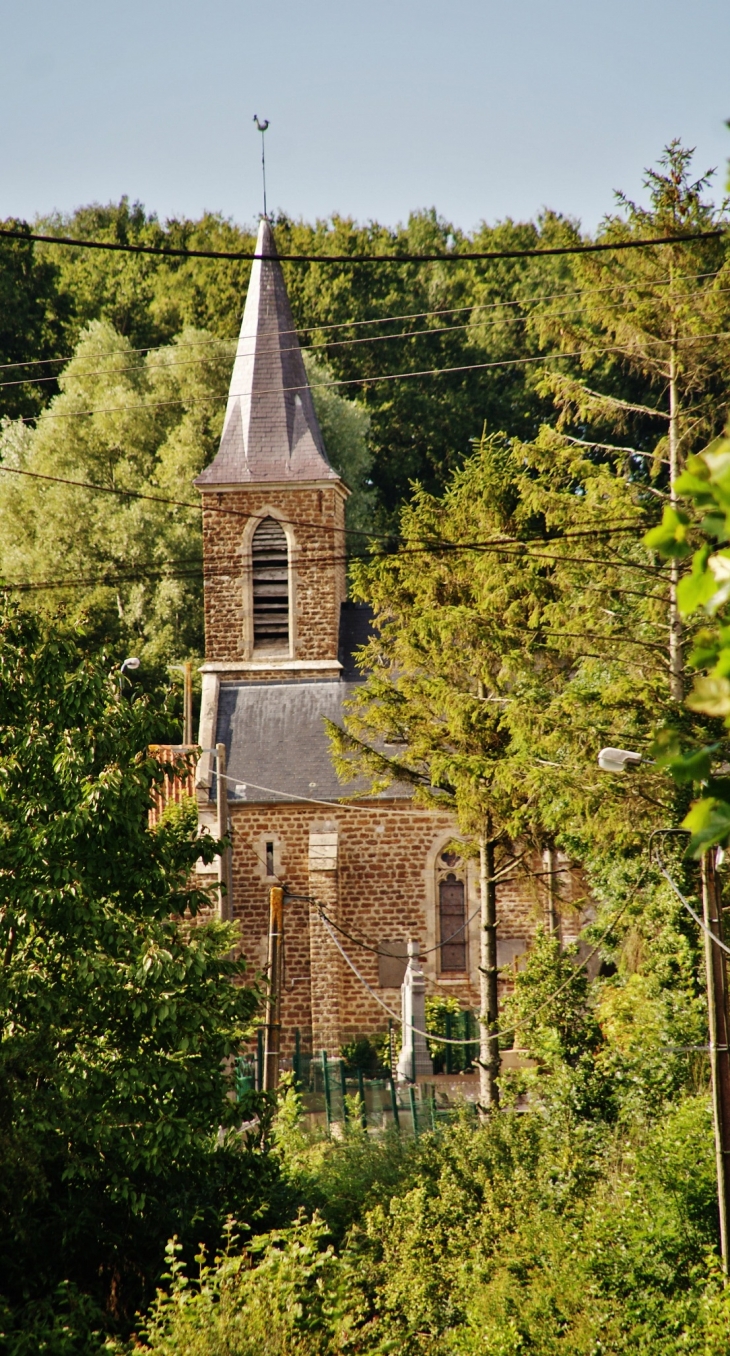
column 280, row 636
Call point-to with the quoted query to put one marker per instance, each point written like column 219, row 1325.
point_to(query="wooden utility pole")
column 272, row 1034
column 553, row 921
column 225, row 872
column 489, row 1061
column 676, row 683
column 187, row 670
column 717, row 1011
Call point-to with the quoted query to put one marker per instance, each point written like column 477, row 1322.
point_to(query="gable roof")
column 270, row 432
column 275, row 733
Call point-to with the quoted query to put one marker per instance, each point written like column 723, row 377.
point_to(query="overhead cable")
column 261, row 349
column 444, row 257
column 693, row 914
column 503, row 1031
column 373, row 380
column 601, row 526
column 387, row 319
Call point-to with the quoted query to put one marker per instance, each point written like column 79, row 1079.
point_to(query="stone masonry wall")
column 314, row 518
column 380, row 891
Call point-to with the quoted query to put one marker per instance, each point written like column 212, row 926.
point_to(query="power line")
column 428, row 950
column 388, row 319
column 699, row 921
column 372, row 380
column 169, row 570
column 445, row 257
column 503, row 1031
column 314, row 349
column 262, row 349
column 425, row 544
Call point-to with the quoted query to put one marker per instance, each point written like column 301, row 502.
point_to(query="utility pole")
column 676, row 684
column 553, row 922
column 186, row 670
column 716, row 970
column 273, row 1001
column 225, row 873
column 489, row 1061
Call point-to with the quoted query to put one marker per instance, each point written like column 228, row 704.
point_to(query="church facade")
column 280, row 641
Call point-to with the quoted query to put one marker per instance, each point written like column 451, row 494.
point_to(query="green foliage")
column 33, row 314
column 526, row 1234
column 497, row 674
column 345, row 426
column 706, row 590
column 413, row 435
column 132, row 567
column 367, row 1053
column 118, row 1011
column 279, row 1296
column 438, row 1008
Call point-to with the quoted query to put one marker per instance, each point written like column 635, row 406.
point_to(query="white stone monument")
column 414, row 1061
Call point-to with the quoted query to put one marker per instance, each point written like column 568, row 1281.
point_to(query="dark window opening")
column 270, row 568
column 270, row 859
column 452, row 923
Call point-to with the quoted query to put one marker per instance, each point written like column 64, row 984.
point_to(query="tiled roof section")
column 270, row 432
column 275, row 733
column 276, row 741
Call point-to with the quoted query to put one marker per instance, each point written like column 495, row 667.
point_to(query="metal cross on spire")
column 262, row 128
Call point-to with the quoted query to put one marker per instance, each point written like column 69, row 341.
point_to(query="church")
column 280, row 643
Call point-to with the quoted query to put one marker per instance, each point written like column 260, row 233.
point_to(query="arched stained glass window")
column 452, row 923
column 270, row 569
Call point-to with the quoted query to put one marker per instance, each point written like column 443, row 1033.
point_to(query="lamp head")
column 617, row 760
column 131, row 663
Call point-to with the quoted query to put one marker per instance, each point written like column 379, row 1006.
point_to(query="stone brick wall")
column 313, row 519
column 380, row 888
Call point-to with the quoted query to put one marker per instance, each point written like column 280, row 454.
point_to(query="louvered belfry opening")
column 270, row 568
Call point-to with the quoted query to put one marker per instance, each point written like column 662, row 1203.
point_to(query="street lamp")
column 618, row 760
column 131, row 663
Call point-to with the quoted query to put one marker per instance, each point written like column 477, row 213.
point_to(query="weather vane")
column 262, row 128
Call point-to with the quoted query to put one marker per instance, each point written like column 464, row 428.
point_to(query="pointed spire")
column 270, row 432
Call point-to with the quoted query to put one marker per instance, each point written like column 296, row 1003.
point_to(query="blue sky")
column 479, row 109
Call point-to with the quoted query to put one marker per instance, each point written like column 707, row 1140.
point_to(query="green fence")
column 332, row 1095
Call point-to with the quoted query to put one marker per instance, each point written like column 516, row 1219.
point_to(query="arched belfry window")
column 270, row 571
column 452, row 914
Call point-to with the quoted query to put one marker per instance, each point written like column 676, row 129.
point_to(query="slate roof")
column 276, row 743
column 270, row 432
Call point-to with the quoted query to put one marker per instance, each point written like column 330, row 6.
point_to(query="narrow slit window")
column 270, row 568
column 452, row 923
column 270, row 859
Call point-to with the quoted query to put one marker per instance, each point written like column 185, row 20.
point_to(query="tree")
column 134, row 565
column 652, row 325
column 420, row 429
column 702, row 762
column 33, row 318
column 520, row 627
column 117, row 1008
